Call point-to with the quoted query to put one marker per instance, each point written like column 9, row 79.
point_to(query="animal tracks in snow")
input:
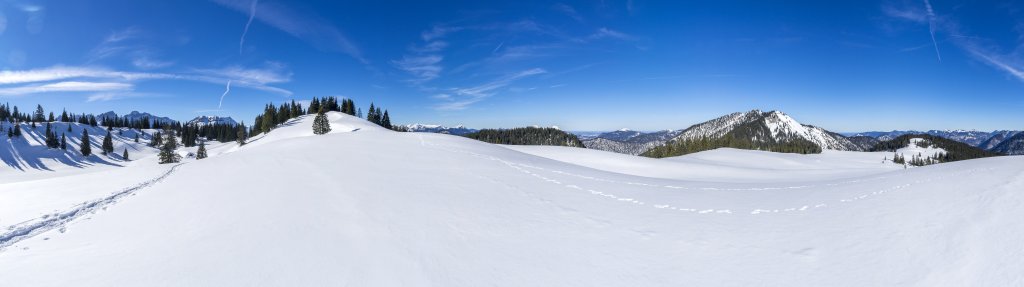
column 534, row 171
column 59, row 220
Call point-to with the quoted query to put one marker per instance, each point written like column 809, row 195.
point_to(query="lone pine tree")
column 86, row 148
column 201, row 153
column 167, row 154
column 108, row 144
column 320, row 123
column 125, row 154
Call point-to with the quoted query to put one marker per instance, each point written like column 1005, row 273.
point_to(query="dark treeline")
column 954, row 150
column 527, row 136
column 682, row 147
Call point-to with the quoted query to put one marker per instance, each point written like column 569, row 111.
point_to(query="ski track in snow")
column 59, row 220
column 756, row 211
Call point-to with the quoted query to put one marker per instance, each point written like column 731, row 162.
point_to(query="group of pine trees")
column 527, row 136
column 378, row 117
column 954, row 150
column 687, row 146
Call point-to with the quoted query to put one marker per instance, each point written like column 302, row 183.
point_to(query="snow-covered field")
column 364, row 206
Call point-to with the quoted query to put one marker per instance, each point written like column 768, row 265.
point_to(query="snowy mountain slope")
column 982, row 139
column 208, row 120
column 997, row 138
column 359, row 205
column 863, row 142
column 1013, row 145
column 776, row 125
column 629, row 142
column 28, row 157
column 135, row 116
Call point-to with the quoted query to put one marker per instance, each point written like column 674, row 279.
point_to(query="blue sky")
column 581, row 65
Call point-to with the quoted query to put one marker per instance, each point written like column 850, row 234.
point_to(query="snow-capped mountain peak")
column 210, row 120
column 777, row 126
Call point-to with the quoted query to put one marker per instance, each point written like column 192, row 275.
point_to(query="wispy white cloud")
column 1011, row 67
column 424, row 68
column 438, row 31
column 252, row 14
column 69, row 86
column 978, row 48
column 931, row 27
column 463, row 98
column 41, row 80
column 148, row 64
column 568, row 11
column 310, row 28
column 605, row 33
column 227, row 89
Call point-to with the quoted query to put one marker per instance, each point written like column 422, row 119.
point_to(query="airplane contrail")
column 226, row 90
column 931, row 27
column 252, row 15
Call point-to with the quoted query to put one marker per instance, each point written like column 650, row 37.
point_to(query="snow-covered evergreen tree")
column 86, row 147
column 201, row 153
column 320, row 124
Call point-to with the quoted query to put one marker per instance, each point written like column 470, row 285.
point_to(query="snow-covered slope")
column 1013, row 145
column 364, row 206
column 779, row 126
column 210, row 120
column 27, row 157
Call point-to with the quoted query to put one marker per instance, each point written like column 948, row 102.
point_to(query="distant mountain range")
column 765, row 130
column 981, row 139
column 135, row 116
column 756, row 128
column 456, row 130
column 209, row 120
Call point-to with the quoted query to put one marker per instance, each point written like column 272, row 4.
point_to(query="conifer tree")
column 240, row 135
column 17, row 129
column 63, row 142
column 167, row 154
column 86, row 147
column 125, row 154
column 51, row 137
column 320, row 124
column 201, row 152
column 136, row 138
column 108, row 144
column 386, row 121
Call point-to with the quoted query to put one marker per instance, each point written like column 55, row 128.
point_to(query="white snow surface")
column 364, row 206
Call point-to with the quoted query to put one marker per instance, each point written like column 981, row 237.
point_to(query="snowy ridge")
column 781, row 128
column 208, row 120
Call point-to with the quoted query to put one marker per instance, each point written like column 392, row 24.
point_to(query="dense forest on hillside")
column 527, row 136
column 954, row 150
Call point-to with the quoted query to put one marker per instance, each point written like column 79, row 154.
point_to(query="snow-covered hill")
column 28, row 157
column 210, row 120
column 775, row 125
column 365, row 206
